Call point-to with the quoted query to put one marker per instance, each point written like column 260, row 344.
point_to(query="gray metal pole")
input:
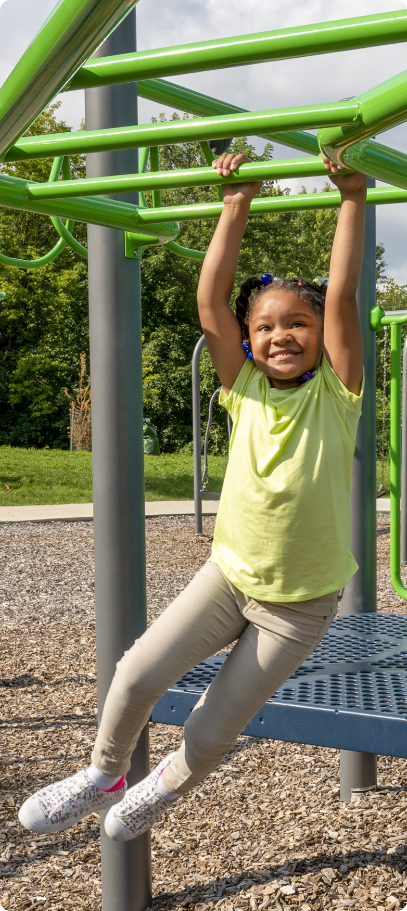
column 358, row 770
column 403, row 542
column 117, row 444
column 196, row 433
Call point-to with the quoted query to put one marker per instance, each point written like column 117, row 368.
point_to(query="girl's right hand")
column 235, row 193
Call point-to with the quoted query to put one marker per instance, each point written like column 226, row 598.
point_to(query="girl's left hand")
column 346, row 181
column 235, row 192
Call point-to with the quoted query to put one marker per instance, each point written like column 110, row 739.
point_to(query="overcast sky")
column 265, row 86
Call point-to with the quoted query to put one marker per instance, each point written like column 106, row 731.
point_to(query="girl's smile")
column 286, row 337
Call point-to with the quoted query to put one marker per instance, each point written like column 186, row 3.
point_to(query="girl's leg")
column 204, row 618
column 277, row 640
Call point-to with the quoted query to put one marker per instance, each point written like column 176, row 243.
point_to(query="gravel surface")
column 266, row 830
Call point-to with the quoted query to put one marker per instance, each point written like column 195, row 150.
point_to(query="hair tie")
column 309, row 375
column 322, row 281
column 247, row 350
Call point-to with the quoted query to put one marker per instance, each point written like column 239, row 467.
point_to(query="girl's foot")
column 64, row 803
column 140, row 808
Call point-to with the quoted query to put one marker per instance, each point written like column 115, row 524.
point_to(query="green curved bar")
column 65, row 233
column 34, row 263
column 185, row 251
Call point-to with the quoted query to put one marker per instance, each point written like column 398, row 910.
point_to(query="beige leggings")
column 273, row 640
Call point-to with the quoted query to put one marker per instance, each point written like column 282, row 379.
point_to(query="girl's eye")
column 297, row 324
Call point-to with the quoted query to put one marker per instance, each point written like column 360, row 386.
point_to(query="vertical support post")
column 118, row 461
column 358, row 770
column 403, row 543
column 196, row 433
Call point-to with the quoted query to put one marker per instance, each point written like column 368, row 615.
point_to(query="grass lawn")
column 45, row 476
column 386, row 477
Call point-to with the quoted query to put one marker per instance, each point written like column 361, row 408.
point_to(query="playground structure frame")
column 59, row 59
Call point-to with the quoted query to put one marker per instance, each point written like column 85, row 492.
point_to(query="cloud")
column 261, row 87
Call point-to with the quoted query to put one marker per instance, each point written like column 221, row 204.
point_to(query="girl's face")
column 286, row 337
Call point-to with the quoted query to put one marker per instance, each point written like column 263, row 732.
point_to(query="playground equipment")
column 201, row 479
column 57, row 60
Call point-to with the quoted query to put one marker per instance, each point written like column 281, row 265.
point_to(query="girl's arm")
column 221, row 328
column 342, row 333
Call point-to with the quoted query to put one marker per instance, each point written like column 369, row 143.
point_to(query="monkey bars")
column 58, row 60
column 305, row 40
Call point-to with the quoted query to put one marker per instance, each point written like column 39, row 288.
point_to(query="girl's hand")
column 346, row 181
column 235, row 193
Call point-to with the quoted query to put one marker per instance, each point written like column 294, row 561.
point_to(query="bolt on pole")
column 118, row 460
column 358, row 770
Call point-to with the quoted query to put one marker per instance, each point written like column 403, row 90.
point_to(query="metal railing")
column 201, row 478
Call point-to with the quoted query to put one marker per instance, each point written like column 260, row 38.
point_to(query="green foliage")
column 44, row 318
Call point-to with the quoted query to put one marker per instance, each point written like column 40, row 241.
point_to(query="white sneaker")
column 141, row 807
column 64, row 803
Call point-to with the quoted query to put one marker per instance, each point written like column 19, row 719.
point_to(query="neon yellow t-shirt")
column 283, row 527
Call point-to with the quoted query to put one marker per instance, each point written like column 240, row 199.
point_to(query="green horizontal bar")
column 162, row 222
column 381, row 108
column 378, row 161
column 301, row 41
column 189, row 177
column 222, row 126
column 176, row 96
column 111, row 213
column 70, row 34
column 269, row 205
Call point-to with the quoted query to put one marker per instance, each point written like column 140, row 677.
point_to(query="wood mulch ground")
column 266, row 830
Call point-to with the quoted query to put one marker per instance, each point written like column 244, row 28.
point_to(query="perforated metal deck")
column 350, row 694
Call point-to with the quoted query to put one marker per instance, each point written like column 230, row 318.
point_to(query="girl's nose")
column 280, row 337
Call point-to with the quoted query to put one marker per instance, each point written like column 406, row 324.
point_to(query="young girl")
column 290, row 363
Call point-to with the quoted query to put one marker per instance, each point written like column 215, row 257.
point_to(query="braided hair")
column 311, row 292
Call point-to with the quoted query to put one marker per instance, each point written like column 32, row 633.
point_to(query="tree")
column 43, row 320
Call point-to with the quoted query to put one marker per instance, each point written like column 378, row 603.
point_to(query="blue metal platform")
column 350, row 694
